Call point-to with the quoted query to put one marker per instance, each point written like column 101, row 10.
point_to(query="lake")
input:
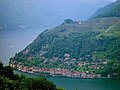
column 81, row 84
column 13, row 41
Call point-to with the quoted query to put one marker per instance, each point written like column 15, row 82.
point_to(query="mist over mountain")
column 20, row 14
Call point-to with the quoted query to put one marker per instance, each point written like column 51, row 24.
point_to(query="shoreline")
column 63, row 76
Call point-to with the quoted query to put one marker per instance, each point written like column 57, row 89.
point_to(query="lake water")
column 13, row 41
column 81, row 84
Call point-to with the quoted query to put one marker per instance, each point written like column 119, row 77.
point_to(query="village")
column 82, row 67
column 57, row 72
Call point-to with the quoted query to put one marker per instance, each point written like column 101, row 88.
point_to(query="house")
column 67, row 55
column 80, row 64
column 25, row 69
column 25, row 52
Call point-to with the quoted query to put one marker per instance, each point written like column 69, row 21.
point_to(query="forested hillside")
column 111, row 10
column 91, row 46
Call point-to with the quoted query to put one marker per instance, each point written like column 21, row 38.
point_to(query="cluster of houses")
column 56, row 72
column 84, row 62
column 68, row 70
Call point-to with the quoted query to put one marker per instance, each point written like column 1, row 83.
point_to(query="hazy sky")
column 95, row 1
column 98, row 0
column 112, row 0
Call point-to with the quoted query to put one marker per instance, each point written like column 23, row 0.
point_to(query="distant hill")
column 21, row 14
column 111, row 10
column 91, row 46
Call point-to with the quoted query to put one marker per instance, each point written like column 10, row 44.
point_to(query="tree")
column 68, row 21
column 7, row 71
column 11, row 81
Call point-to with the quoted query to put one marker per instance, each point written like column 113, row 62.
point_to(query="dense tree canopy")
column 11, row 81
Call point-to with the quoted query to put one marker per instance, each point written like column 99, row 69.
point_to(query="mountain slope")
column 110, row 10
column 70, row 44
column 86, row 46
column 49, row 39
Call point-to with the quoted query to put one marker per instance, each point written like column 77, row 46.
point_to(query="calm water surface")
column 82, row 84
column 13, row 41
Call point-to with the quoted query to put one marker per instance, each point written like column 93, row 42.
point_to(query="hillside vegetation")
column 91, row 46
column 111, row 10
column 11, row 81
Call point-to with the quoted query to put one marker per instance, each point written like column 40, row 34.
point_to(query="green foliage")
column 1, row 65
column 77, row 41
column 68, row 21
column 60, row 88
column 11, row 81
column 38, row 83
column 112, row 69
column 98, row 38
column 114, row 12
